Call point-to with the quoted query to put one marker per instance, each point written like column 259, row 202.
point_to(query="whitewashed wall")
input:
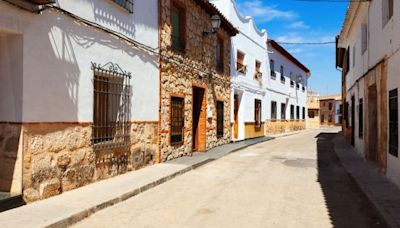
column 58, row 51
column 253, row 43
column 283, row 92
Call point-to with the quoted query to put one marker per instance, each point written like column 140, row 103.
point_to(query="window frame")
column 219, row 59
column 274, row 110
column 292, row 112
column 181, row 48
column 257, row 113
column 258, row 71
column 220, row 122
column 283, row 111
column 272, row 67
column 393, row 122
column 240, row 62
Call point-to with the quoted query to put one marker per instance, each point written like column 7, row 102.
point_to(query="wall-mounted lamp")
column 215, row 23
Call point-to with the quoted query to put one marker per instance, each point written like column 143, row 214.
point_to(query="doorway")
column 372, row 123
column 236, row 117
column 353, row 120
column 199, row 120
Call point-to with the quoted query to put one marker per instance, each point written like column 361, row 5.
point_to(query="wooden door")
column 199, row 120
column 236, row 117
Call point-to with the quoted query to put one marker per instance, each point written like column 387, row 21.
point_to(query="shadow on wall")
column 346, row 204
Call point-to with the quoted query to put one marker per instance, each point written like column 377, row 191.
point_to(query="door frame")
column 199, row 136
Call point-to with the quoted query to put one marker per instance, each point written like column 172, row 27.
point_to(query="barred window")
column 257, row 112
column 127, row 4
column 177, row 119
column 273, row 110
column 393, row 123
column 220, row 119
column 111, row 107
column 283, row 111
column 360, row 119
column 292, row 112
column 304, row 113
column 297, row 112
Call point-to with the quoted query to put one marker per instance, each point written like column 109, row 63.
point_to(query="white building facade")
column 286, row 98
column 368, row 55
column 79, row 88
column 249, row 70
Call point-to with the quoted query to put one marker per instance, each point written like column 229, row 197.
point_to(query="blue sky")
column 301, row 21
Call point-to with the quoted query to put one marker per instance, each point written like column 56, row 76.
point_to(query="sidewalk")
column 383, row 194
column 73, row 206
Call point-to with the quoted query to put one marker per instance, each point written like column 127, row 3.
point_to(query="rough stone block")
column 31, row 195
column 49, row 188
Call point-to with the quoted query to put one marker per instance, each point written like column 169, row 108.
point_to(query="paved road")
column 293, row 181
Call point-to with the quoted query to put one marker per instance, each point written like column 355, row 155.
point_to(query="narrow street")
column 293, row 181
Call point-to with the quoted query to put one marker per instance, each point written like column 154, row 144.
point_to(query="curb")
column 383, row 215
column 77, row 217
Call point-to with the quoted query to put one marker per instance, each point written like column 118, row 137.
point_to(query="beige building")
column 313, row 120
column 329, row 110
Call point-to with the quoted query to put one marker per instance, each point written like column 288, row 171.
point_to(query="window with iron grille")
column 304, row 113
column 330, row 106
column 257, row 112
column 273, row 110
column 220, row 119
column 393, row 123
column 178, row 28
column 292, row 112
column 127, row 4
column 283, row 111
column 177, row 119
column 297, row 112
column 111, row 107
column 360, row 119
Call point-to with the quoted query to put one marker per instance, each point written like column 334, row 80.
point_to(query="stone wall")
column 195, row 66
column 60, row 157
column 281, row 126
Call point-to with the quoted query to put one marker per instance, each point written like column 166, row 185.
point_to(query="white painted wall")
column 58, row 51
column 283, row 92
column 383, row 40
column 337, row 111
column 253, row 43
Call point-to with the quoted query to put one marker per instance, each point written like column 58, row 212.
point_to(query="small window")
column 127, row 4
column 387, row 11
column 364, row 38
column 220, row 119
column 272, row 66
column 354, row 55
column 297, row 112
column 283, row 111
column 330, row 119
column 292, row 112
column 219, row 55
column 177, row 119
column 311, row 113
column 330, row 106
column 303, row 89
column 360, row 119
column 292, row 83
column 240, row 66
column 304, row 113
column 178, row 28
column 282, row 74
column 322, row 118
column 297, row 86
column 258, row 74
column 257, row 113
column 393, row 123
column 273, row 110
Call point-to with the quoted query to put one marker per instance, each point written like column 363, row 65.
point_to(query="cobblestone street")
column 293, row 181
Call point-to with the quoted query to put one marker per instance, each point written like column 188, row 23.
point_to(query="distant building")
column 329, row 106
column 313, row 111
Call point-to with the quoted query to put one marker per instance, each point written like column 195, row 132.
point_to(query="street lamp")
column 215, row 23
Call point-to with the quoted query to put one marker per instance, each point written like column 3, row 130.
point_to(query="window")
column 257, row 113
column 272, row 65
column 258, row 73
column 292, row 112
column 322, row 118
column 387, row 11
column 360, row 119
column 311, row 113
column 178, row 28
column 292, row 83
column 282, row 74
column 354, row 55
column 297, row 112
column 219, row 55
column 110, row 108
column 364, row 38
column 220, row 119
column 303, row 89
column 177, row 119
column 240, row 67
column 273, row 110
column 346, row 114
column 283, row 111
column 304, row 113
column 127, row 4
column 297, row 86
column 393, row 123
column 330, row 106
column 330, row 119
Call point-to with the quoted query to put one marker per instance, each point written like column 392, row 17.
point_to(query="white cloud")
column 263, row 13
column 294, row 37
column 298, row 25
